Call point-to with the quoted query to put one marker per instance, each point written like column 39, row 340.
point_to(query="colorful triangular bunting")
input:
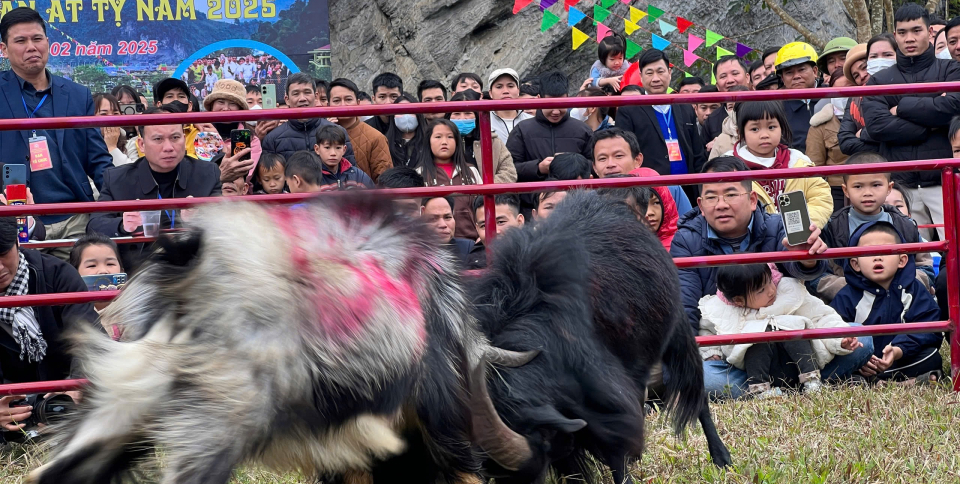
column 626, row 2
column 636, row 15
column 687, row 74
column 659, row 43
column 574, row 16
column 629, row 27
column 607, row 3
column 578, row 38
column 549, row 20
column 632, row 49
column 518, row 5
column 654, row 13
column 742, row 50
column 713, row 38
column 693, row 42
column 602, row 31
column 689, row 58
column 669, row 90
column 683, row 24
column 721, row 52
column 666, row 28
column 569, row 3
column 545, row 4
column 600, row 14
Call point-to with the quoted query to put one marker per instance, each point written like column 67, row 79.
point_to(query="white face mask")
column 944, row 54
column 839, row 104
column 876, row 65
column 579, row 114
column 406, row 122
column 365, row 118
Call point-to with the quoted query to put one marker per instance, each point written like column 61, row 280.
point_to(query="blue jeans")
column 723, row 380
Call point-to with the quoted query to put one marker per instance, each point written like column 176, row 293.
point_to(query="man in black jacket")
column 164, row 171
column 31, row 344
column 797, row 68
column 914, row 127
column 668, row 134
column 300, row 134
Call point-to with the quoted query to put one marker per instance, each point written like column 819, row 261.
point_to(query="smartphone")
column 14, row 174
column 796, row 218
column 129, row 109
column 105, row 282
column 239, row 140
column 268, row 93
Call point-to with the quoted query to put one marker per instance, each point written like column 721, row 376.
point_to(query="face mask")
column 365, row 118
column 876, row 65
column 839, row 104
column 944, row 54
column 406, row 122
column 465, row 126
column 579, row 114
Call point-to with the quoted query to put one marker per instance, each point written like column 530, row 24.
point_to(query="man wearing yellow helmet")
column 914, row 127
column 797, row 66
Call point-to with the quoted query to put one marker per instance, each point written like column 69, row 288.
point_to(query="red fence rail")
column 948, row 167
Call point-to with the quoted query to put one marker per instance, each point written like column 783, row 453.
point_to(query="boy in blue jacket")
column 884, row 290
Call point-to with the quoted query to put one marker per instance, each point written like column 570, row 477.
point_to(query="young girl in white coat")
column 753, row 298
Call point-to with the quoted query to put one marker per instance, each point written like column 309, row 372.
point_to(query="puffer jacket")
column 503, row 169
column 906, row 301
column 919, row 130
column 850, row 125
column 815, row 189
column 535, row 139
column 823, row 147
column 694, row 238
column 793, row 309
column 296, row 135
column 347, row 177
column 725, row 142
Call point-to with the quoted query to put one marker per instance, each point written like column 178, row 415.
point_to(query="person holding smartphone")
column 231, row 95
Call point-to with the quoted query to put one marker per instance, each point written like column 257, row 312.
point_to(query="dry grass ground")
column 843, row 435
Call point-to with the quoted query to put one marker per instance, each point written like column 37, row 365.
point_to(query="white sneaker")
column 812, row 386
column 771, row 393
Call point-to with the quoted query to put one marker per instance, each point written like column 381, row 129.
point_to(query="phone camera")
column 784, row 201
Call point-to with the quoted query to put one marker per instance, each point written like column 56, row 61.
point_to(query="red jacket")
column 668, row 225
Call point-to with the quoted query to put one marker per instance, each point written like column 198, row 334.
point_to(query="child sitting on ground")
column 269, row 175
column 753, row 298
column 867, row 194
column 764, row 138
column 883, row 289
column 609, row 70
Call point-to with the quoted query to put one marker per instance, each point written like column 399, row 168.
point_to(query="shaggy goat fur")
column 302, row 338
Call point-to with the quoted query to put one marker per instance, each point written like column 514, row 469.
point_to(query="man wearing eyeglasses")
column 728, row 221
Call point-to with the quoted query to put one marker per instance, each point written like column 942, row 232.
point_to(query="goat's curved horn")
column 507, row 448
column 509, row 358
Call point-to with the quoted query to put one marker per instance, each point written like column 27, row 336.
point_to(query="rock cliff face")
column 435, row 39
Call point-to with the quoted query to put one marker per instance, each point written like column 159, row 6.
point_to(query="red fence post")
column 952, row 233
column 486, row 164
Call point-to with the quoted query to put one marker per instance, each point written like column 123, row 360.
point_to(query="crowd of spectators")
column 444, row 149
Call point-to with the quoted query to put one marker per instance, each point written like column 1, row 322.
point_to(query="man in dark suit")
column 61, row 160
column 164, row 171
column 668, row 134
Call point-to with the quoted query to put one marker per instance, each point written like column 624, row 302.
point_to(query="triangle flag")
column 693, row 42
column 742, row 50
column 549, row 20
column 607, row 3
column 626, row 2
column 659, row 43
column 545, row 4
column 654, row 13
column 600, row 14
column 629, row 27
column 683, row 24
column 721, row 52
column 636, row 14
column 713, row 38
column 666, row 28
column 687, row 74
column 578, row 38
column 518, row 5
column 632, row 49
column 713, row 78
column 574, row 16
column 670, row 90
column 569, row 3
column 602, row 31
column 689, row 58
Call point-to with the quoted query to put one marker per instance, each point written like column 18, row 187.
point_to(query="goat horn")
column 507, row 448
column 509, row 358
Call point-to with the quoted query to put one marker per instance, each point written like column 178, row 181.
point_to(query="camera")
column 44, row 411
column 784, row 201
column 128, row 109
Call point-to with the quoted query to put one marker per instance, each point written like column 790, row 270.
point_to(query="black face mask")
column 224, row 129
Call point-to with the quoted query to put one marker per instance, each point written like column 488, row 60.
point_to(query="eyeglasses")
column 729, row 199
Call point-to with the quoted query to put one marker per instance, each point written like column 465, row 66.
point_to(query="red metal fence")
column 948, row 168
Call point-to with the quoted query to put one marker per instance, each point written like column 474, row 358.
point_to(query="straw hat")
column 228, row 90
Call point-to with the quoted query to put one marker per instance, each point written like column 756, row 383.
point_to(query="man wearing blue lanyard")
column 669, row 139
column 59, row 162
